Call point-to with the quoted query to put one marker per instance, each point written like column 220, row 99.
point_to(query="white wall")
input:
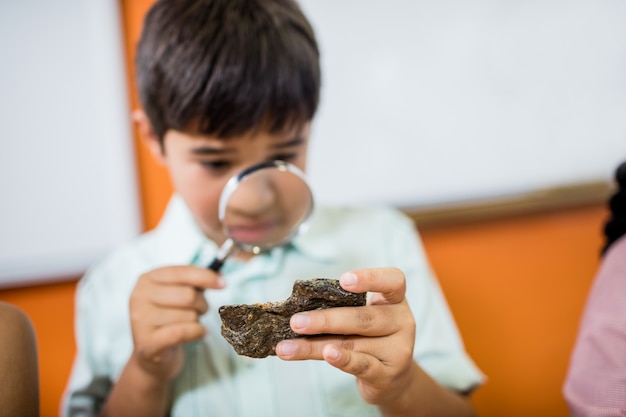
column 68, row 192
column 424, row 102
column 428, row 102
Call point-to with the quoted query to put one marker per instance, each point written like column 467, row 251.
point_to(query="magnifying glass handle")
column 227, row 248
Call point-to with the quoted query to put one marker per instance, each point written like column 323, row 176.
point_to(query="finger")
column 313, row 348
column 180, row 296
column 165, row 317
column 378, row 320
column 390, row 282
column 361, row 365
column 169, row 336
column 298, row 349
column 187, row 275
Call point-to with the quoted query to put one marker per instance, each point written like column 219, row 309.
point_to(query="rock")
column 254, row 329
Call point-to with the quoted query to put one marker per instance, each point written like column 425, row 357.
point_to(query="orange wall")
column 156, row 187
column 516, row 287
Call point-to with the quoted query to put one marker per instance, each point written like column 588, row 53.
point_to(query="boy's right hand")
column 165, row 306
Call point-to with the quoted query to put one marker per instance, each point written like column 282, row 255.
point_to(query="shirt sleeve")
column 595, row 385
column 88, row 386
column 439, row 349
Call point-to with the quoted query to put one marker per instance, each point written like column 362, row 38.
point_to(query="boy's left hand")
column 376, row 341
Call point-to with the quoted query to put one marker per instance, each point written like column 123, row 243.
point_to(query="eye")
column 217, row 167
column 287, row 157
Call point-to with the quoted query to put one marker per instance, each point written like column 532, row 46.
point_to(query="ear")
column 148, row 136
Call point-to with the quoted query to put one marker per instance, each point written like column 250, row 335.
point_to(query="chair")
column 19, row 372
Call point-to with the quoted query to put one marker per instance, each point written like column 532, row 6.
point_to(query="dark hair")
column 615, row 227
column 227, row 66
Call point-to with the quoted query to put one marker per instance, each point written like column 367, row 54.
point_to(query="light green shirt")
column 216, row 381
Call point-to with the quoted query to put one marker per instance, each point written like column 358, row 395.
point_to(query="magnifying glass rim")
column 234, row 182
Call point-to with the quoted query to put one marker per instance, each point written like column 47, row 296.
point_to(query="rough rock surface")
column 254, row 329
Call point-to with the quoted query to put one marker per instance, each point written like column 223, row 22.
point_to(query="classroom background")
column 496, row 126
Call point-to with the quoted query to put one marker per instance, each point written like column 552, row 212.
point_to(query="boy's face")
column 201, row 165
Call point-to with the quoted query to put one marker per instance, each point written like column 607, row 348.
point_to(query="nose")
column 254, row 196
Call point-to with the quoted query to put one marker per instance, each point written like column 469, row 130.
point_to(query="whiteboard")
column 67, row 176
column 436, row 102
column 423, row 103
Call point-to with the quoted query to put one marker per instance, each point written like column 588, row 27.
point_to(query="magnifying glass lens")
column 267, row 208
column 263, row 207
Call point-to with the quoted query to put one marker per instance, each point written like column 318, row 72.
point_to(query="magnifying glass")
column 263, row 207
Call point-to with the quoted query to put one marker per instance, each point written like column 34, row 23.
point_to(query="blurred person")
column 595, row 385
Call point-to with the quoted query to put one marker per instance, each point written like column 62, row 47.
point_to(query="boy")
column 226, row 84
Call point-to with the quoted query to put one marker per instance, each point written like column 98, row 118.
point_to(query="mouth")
column 260, row 234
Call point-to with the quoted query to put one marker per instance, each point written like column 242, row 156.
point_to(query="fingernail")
column 286, row 348
column 332, row 352
column 221, row 282
column 300, row 321
column 348, row 279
